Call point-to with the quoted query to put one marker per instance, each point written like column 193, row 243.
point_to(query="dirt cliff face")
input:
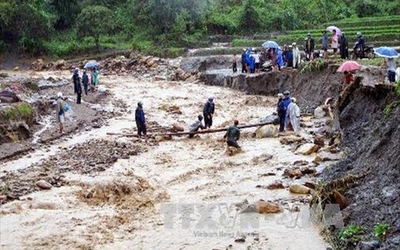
column 372, row 141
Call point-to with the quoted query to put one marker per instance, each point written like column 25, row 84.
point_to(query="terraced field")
column 377, row 31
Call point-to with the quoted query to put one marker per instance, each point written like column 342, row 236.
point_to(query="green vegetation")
column 70, row 27
column 22, row 111
column 313, row 66
column 351, row 235
column 381, row 230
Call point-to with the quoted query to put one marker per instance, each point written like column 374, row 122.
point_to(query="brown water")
column 188, row 173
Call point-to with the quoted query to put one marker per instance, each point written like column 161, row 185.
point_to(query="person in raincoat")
column 293, row 115
column 391, row 69
column 296, row 56
column 280, row 109
column 140, row 119
column 196, row 125
column 95, row 76
column 85, row 82
column 252, row 63
column 60, row 111
column 208, row 112
column 344, row 47
column 279, row 59
column 243, row 61
column 233, row 135
column 77, row 85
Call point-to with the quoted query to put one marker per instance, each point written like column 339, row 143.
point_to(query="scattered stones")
column 319, row 141
column 317, row 159
column 262, row 158
column 43, row 184
column 308, row 170
column 267, row 131
column 299, row 189
column 264, row 207
column 300, row 163
column 325, row 156
column 307, row 149
column 16, row 68
column 368, row 245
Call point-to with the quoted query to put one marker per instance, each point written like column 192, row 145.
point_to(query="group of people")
column 232, row 135
column 288, row 112
column 250, row 60
column 78, row 81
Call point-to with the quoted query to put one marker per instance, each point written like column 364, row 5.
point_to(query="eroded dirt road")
column 153, row 198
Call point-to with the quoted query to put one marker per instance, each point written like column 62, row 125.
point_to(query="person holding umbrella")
column 390, row 54
column 391, row 69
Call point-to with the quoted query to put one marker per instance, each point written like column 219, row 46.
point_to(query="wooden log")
column 206, row 131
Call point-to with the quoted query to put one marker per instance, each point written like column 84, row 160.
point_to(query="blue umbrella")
column 386, row 52
column 91, row 64
column 270, row 44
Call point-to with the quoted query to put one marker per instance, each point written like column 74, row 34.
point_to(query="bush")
column 20, row 112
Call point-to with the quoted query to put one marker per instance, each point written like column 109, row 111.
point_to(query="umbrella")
column 349, row 66
column 270, row 44
column 338, row 31
column 91, row 64
column 386, row 52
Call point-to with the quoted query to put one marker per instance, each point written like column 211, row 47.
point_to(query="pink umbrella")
column 349, row 66
column 338, row 31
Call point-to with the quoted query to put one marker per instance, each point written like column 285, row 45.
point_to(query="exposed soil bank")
column 372, row 142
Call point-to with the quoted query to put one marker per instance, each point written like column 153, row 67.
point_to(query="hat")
column 286, row 92
column 294, row 99
column 293, row 44
column 140, row 103
column 308, row 34
column 211, row 98
column 59, row 94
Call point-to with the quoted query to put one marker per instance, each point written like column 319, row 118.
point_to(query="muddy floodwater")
column 175, row 194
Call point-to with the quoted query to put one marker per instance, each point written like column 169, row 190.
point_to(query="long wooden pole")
column 206, row 131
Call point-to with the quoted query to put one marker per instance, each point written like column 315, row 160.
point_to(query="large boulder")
column 60, row 64
column 43, row 184
column 264, row 207
column 307, row 149
column 267, row 131
column 299, row 189
column 178, row 127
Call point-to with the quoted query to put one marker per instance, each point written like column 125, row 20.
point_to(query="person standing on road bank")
column 95, row 76
column 344, row 47
column 334, row 41
column 196, row 125
column 310, row 47
column 208, row 112
column 233, row 135
column 296, row 56
column 140, row 119
column 60, row 111
column 77, row 86
column 85, row 81
column 234, row 63
column 244, row 69
column 281, row 112
column 325, row 44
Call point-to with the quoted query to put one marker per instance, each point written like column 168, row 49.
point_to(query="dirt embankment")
column 371, row 138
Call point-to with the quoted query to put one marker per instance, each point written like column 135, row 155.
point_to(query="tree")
column 249, row 20
column 67, row 11
column 95, row 21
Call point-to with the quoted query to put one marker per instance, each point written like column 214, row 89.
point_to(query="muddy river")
column 176, row 194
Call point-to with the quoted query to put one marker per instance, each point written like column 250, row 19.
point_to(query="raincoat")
column 293, row 116
column 85, row 81
column 279, row 58
column 140, row 120
column 296, row 57
column 95, row 75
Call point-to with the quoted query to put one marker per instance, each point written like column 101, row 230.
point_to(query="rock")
column 37, row 65
column 178, row 127
column 274, row 119
column 310, row 185
column 290, row 139
column 160, row 78
column 8, row 96
column 308, row 170
column 339, row 199
column 43, row 184
column 300, row 163
column 264, row 207
column 325, row 156
column 262, row 158
column 160, row 138
column 307, row 149
column 275, row 185
column 299, row 189
column 317, row 159
column 241, row 239
column 319, row 141
column 232, row 151
column 368, row 245
column 16, row 68
column 43, row 205
column 60, row 64
column 319, row 112
column 293, row 173
column 267, row 131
